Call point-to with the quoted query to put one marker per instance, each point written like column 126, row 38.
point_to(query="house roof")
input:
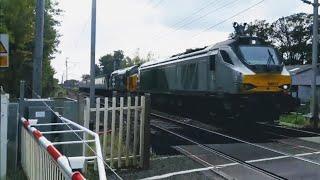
column 296, row 69
column 302, row 74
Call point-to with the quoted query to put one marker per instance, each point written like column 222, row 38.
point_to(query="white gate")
column 125, row 129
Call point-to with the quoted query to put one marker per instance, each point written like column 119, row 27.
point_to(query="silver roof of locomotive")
column 184, row 55
column 124, row 70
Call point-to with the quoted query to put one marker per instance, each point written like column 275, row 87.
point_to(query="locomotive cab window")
column 260, row 55
column 212, row 62
column 225, row 56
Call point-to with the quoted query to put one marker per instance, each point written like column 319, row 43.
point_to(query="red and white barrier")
column 41, row 160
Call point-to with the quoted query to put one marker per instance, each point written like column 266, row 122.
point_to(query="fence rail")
column 123, row 125
column 40, row 160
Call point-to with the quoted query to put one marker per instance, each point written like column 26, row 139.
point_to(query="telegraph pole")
column 315, row 110
column 315, row 41
column 67, row 69
column 93, row 52
column 38, row 51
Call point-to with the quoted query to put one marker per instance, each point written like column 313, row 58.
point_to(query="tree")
column 118, row 59
column 85, row 77
column 97, row 70
column 127, row 62
column 291, row 35
column 17, row 18
column 259, row 28
column 106, row 64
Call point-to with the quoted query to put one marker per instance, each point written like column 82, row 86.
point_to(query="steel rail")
column 288, row 128
column 226, row 156
column 236, row 139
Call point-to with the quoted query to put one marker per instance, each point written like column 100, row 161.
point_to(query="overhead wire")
column 158, row 4
column 229, row 18
column 187, row 21
column 221, row 22
column 207, row 5
column 210, row 12
column 219, row 5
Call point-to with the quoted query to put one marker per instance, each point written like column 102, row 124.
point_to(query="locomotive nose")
column 265, row 83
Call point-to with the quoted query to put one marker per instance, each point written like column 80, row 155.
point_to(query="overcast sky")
column 163, row 27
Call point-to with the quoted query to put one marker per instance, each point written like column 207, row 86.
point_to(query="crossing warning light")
column 4, row 50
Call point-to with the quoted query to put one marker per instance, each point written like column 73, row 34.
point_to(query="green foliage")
column 119, row 60
column 85, row 77
column 291, row 35
column 296, row 119
column 106, row 64
column 97, row 70
column 17, row 18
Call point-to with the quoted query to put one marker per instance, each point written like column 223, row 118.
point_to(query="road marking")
column 268, row 159
column 211, row 167
column 178, row 173
column 220, row 166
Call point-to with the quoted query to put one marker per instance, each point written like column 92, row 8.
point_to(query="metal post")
column 145, row 159
column 21, row 114
column 315, row 106
column 38, row 51
column 21, row 99
column 93, row 53
column 4, row 99
column 66, row 69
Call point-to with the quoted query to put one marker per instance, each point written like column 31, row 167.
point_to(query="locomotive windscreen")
column 260, row 55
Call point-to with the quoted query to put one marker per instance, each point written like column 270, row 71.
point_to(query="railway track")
column 289, row 131
column 200, row 141
column 206, row 141
column 219, row 153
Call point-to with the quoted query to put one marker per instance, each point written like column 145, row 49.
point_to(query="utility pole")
column 315, row 41
column 93, row 52
column 38, row 51
column 67, row 69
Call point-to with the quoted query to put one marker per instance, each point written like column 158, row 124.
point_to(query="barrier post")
column 21, row 114
column 3, row 134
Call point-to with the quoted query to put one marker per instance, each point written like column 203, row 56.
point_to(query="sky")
column 161, row 27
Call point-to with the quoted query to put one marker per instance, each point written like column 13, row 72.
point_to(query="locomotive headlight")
column 285, row 87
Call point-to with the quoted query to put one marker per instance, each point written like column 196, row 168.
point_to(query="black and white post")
column 93, row 52
column 38, row 51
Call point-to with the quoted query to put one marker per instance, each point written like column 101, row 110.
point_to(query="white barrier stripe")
column 44, row 142
column 31, row 129
column 64, row 163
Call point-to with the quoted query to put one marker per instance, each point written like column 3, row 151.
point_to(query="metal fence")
column 40, row 160
column 124, row 126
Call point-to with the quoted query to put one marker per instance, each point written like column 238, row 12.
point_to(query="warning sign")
column 4, row 50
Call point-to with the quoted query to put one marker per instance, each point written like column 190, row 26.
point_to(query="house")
column 301, row 81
